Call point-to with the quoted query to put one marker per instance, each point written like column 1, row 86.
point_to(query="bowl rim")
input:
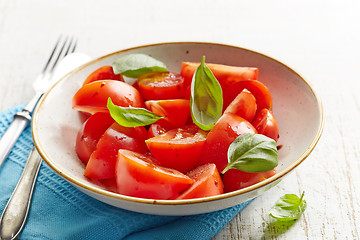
column 97, row 190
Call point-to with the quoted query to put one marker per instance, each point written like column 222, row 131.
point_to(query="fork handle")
column 21, row 120
column 15, row 213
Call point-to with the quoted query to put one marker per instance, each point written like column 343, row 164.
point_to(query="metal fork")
column 21, row 119
column 15, row 213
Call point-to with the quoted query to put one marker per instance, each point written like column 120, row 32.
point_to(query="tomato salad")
column 202, row 132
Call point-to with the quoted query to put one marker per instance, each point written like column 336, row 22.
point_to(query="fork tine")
column 51, row 55
column 60, row 51
column 74, row 48
column 59, row 55
column 69, row 47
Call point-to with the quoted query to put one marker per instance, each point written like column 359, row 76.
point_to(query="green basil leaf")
column 252, row 153
column 131, row 116
column 133, row 65
column 289, row 207
column 206, row 100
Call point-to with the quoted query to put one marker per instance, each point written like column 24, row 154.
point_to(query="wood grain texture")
column 319, row 39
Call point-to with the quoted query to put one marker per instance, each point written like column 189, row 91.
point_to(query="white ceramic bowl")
column 296, row 106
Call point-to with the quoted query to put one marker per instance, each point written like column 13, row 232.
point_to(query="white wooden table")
column 319, row 39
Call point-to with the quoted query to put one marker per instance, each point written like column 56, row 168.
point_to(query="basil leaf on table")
column 133, row 65
column 252, row 153
column 206, row 100
column 289, row 207
column 131, row 116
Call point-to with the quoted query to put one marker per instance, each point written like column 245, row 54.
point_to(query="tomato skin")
column 103, row 73
column 207, row 182
column 226, row 75
column 138, row 176
column 156, row 129
column 258, row 89
column 90, row 133
column 244, row 105
column 177, row 111
column 218, row 140
column 265, row 123
column 161, row 85
column 83, row 116
column 93, row 97
column 136, row 85
column 109, row 184
column 101, row 164
column 179, row 148
column 235, row 179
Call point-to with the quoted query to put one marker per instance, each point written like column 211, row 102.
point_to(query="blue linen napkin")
column 60, row 211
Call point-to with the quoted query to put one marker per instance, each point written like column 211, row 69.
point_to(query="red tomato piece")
column 89, row 134
column 177, row 111
column 101, row 164
column 136, row 85
column 259, row 90
column 244, row 105
column 179, row 148
column 224, row 132
column 103, row 73
column 138, row 176
column 207, row 182
column 161, row 85
column 226, row 75
column 156, row 129
column 109, row 184
column 83, row 116
column 235, row 179
column 265, row 123
column 93, row 97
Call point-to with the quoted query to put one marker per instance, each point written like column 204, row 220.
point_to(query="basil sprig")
column 133, row 65
column 206, row 100
column 131, row 116
column 288, row 208
column 252, row 153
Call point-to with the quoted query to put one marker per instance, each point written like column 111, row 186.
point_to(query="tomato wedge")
column 177, row 111
column 224, row 132
column 90, row 133
column 259, row 90
column 207, row 182
column 179, row 148
column 234, row 179
column 101, row 164
column 103, row 73
column 161, row 85
column 265, row 123
column 156, row 129
column 226, row 75
column 109, row 184
column 93, row 97
column 138, row 176
column 244, row 105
